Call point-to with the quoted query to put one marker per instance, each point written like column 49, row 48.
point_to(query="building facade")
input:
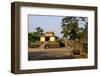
column 48, row 36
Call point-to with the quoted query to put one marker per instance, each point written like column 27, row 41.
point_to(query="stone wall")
column 76, row 46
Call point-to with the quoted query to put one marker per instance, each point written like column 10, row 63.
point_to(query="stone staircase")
column 43, row 45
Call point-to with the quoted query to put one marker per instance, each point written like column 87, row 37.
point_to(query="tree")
column 29, row 37
column 39, row 30
column 35, row 36
column 71, row 29
column 84, row 34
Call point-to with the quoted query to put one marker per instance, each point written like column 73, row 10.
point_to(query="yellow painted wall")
column 42, row 39
column 48, row 34
column 52, row 38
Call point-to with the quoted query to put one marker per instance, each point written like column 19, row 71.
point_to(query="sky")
column 47, row 23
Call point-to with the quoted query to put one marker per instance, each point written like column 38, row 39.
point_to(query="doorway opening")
column 47, row 38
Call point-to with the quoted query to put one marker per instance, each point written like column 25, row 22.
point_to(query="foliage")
column 39, row 30
column 35, row 36
column 71, row 30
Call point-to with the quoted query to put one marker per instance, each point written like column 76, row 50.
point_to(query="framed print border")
column 15, row 37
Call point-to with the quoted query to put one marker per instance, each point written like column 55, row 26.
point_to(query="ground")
column 51, row 53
